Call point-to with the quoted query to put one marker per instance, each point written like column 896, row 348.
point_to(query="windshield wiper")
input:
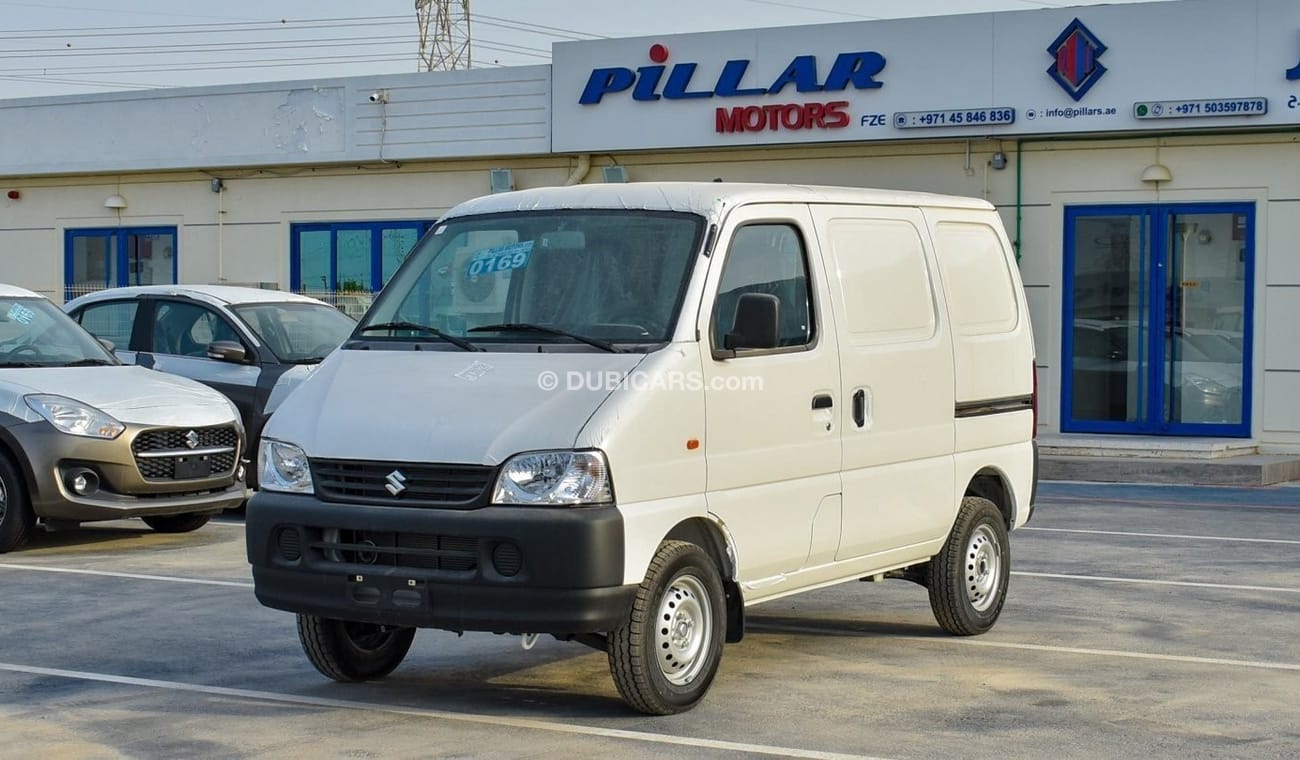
column 89, row 363
column 307, row 360
column 23, row 365
column 427, row 330
column 529, row 327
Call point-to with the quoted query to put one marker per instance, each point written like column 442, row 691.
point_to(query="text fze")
column 680, row 82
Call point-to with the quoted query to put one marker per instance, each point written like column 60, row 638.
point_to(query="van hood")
column 129, row 394
column 443, row 406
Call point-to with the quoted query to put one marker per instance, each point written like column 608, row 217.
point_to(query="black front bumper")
column 501, row 569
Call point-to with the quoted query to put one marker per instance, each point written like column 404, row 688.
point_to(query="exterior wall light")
column 115, row 201
column 1157, row 173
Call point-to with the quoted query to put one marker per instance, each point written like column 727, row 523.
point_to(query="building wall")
column 242, row 234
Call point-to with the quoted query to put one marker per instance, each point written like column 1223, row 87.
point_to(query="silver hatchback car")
column 84, row 438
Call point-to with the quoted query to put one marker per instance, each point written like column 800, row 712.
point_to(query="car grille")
column 454, row 554
column 171, row 453
column 417, row 485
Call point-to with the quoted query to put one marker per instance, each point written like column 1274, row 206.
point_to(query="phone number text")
column 1182, row 109
column 979, row 117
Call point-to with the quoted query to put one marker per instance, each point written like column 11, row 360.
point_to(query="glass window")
column 36, row 333
column 111, row 321
column 766, row 258
column 299, row 333
column 613, row 276
column 117, row 257
column 345, row 263
column 185, row 329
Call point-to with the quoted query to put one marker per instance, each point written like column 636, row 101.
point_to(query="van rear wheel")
column 348, row 651
column 968, row 577
column 664, row 657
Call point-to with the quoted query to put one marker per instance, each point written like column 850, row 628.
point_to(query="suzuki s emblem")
column 1076, row 52
column 395, row 483
column 192, row 439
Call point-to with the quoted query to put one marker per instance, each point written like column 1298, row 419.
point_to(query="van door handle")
column 859, row 407
column 822, row 401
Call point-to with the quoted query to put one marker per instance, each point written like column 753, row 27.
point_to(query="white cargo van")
column 622, row 414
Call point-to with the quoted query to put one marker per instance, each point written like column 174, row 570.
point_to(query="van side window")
column 767, row 258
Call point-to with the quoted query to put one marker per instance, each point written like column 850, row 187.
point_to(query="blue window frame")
column 349, row 257
column 1158, row 309
column 110, row 257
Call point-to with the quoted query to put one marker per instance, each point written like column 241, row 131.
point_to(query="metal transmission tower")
column 444, row 34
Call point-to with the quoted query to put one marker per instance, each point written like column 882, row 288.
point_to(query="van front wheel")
column 968, row 577
column 664, row 657
column 347, row 651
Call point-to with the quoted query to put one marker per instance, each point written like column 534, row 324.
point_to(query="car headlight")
column 73, row 417
column 283, row 467
column 1205, row 385
column 557, row 478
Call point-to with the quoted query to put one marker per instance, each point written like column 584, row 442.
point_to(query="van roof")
column 698, row 197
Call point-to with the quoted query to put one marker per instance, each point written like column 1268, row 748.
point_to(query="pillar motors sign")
column 765, row 107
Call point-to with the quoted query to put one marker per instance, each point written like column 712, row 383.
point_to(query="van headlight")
column 283, row 467
column 555, row 478
column 73, row 417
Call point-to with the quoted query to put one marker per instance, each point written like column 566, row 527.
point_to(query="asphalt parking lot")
column 1141, row 622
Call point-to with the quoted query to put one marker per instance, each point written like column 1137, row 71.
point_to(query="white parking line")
column 759, row 626
column 1150, row 581
column 1167, row 535
column 415, row 712
column 132, row 576
column 1131, row 655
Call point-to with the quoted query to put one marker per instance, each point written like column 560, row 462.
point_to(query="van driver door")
column 772, row 424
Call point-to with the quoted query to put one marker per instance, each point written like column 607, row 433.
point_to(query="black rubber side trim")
column 987, row 407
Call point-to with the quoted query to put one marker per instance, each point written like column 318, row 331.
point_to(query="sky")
column 64, row 47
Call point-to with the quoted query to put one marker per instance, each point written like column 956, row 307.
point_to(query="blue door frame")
column 376, row 230
column 1155, row 258
column 120, row 253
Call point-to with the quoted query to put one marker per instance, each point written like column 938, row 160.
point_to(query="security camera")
column 379, row 96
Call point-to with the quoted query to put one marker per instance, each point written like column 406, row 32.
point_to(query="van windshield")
column 591, row 278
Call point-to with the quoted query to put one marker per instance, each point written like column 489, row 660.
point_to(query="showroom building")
column 1145, row 159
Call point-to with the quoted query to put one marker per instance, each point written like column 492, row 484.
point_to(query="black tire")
column 16, row 516
column 659, row 670
column 176, row 523
column 968, row 577
column 348, row 652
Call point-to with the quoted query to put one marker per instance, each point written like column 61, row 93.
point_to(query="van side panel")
column 896, row 376
column 643, row 427
column 993, row 349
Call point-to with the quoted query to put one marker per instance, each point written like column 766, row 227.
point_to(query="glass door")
column 1157, row 309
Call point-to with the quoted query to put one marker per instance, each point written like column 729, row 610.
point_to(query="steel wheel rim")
column 368, row 637
column 982, row 565
column 683, row 630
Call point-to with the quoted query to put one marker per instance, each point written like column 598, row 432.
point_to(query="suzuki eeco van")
column 623, row 414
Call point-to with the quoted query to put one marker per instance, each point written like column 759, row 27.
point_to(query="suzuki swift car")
column 84, row 438
column 251, row 344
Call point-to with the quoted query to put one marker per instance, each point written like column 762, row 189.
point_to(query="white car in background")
column 251, row 344
column 84, row 438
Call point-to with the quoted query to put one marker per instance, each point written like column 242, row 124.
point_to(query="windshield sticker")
column 500, row 259
column 21, row 314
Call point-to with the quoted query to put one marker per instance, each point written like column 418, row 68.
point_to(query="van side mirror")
column 227, row 351
column 757, row 325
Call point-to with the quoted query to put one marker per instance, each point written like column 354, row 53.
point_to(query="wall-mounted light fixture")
column 998, row 161
column 1157, row 173
column 217, row 185
column 115, row 201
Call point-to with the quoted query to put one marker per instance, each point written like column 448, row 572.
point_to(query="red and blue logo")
column 1076, row 67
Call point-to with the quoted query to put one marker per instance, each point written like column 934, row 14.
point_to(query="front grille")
column 418, row 485
column 167, row 454
column 453, row 554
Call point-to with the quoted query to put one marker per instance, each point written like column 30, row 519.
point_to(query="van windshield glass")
column 603, row 276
